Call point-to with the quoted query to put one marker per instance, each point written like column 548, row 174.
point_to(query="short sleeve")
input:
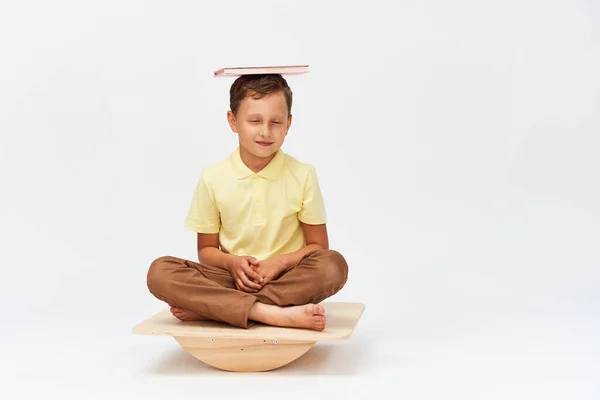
column 203, row 214
column 313, row 206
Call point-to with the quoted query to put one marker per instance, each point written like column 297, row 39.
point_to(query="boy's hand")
column 245, row 278
column 270, row 268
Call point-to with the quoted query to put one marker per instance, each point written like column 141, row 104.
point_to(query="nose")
column 265, row 132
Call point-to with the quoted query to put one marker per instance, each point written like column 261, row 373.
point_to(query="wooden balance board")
column 258, row 348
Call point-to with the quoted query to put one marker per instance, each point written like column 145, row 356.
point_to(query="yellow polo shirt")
column 257, row 214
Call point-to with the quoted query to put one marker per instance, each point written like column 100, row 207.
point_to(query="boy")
column 260, row 220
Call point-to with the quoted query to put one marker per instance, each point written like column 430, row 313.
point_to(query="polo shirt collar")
column 271, row 171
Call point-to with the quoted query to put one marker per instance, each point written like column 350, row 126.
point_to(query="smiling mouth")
column 265, row 143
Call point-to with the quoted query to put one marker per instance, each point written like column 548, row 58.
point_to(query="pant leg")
column 209, row 291
column 319, row 275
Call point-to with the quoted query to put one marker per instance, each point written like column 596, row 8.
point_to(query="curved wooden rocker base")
column 244, row 355
column 258, row 348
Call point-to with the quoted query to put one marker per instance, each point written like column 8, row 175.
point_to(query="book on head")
column 281, row 69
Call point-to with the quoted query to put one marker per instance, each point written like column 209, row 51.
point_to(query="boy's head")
column 260, row 112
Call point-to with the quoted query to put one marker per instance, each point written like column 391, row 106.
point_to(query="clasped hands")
column 251, row 275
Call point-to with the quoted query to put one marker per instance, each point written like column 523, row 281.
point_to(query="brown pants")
column 211, row 291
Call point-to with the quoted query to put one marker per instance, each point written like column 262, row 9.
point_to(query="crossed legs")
column 195, row 291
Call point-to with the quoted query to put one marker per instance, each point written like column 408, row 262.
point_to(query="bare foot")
column 309, row 316
column 186, row 315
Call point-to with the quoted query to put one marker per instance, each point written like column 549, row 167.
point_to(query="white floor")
column 463, row 356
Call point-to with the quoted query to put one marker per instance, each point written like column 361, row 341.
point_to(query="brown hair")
column 258, row 86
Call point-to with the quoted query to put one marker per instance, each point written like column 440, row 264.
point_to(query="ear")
column 231, row 121
column 289, row 123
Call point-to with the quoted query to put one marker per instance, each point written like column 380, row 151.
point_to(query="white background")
column 457, row 146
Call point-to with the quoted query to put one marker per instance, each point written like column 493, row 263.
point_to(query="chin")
column 265, row 151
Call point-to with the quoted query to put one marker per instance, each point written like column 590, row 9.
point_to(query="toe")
column 315, row 309
column 318, row 322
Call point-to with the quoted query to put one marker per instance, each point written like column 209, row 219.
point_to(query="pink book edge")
column 220, row 71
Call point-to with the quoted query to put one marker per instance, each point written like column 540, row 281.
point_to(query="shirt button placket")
column 256, row 197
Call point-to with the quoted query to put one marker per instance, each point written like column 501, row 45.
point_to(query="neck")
column 254, row 163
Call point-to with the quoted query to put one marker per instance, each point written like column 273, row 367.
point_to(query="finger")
column 253, row 274
column 243, row 287
column 239, row 271
column 249, row 283
column 256, row 268
column 253, row 261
